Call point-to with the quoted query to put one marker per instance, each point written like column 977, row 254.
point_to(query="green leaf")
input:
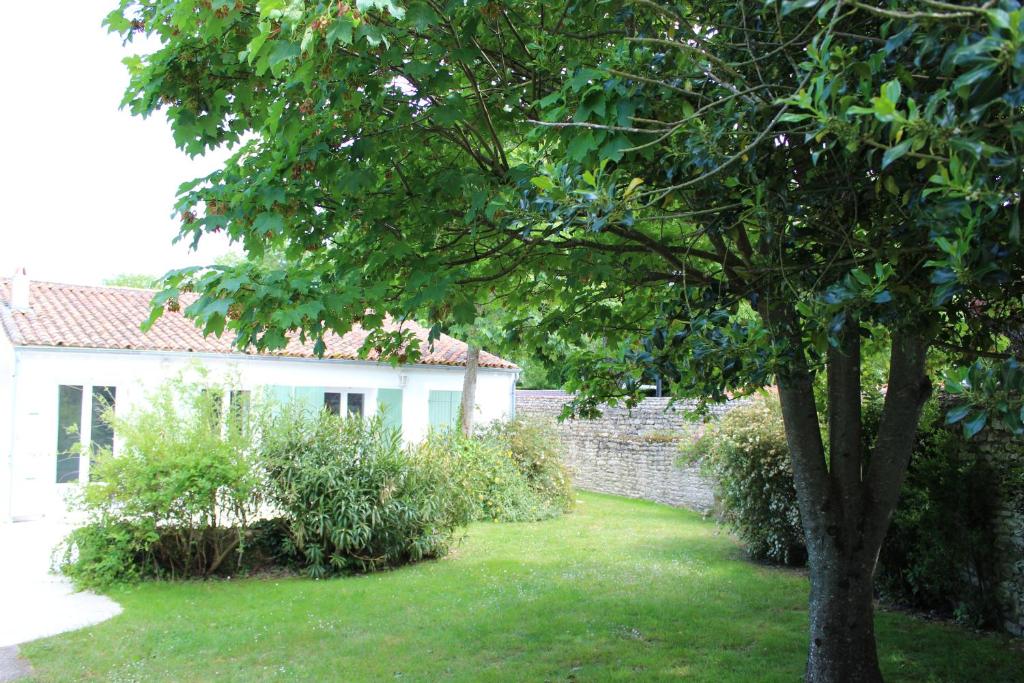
column 972, row 77
column 268, row 221
column 340, row 31
column 894, row 153
column 543, row 183
column 892, row 90
column 956, row 414
column 976, row 423
column 283, row 51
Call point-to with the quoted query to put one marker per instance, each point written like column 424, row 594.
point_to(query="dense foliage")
column 512, row 471
column 940, row 554
column 177, row 499
column 195, row 492
column 746, row 456
column 353, row 498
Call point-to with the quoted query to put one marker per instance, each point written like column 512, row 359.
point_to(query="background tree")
column 725, row 194
column 136, row 280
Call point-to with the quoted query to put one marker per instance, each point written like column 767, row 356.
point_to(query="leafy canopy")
column 664, row 179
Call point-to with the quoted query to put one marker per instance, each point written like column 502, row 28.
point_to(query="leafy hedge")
column 193, row 493
column 176, row 501
column 511, row 471
column 939, row 553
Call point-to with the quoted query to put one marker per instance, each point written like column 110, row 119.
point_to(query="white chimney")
column 19, row 290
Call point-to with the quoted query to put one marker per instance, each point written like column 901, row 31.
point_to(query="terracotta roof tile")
column 82, row 316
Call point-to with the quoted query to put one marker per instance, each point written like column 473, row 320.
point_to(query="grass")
column 618, row 590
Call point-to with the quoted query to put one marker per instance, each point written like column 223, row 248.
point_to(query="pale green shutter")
column 276, row 396
column 389, row 405
column 444, row 408
column 311, row 398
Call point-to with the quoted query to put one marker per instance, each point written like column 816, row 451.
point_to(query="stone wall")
column 1004, row 451
column 627, row 452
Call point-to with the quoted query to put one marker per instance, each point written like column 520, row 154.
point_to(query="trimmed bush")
column 746, row 455
column 352, row 498
column 176, row 500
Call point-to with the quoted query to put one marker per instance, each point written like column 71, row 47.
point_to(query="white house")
column 67, row 350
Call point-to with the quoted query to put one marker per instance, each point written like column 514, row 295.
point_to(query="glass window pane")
column 103, row 398
column 355, row 404
column 69, row 415
column 332, row 402
column 211, row 402
column 240, row 402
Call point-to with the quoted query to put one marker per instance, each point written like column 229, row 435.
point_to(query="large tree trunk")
column 469, row 389
column 847, row 498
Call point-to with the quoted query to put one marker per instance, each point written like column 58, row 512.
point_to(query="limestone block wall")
column 628, row 452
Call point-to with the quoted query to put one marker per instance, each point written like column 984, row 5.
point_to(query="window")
column 69, row 418
column 355, row 404
column 332, row 402
column 211, row 403
column 80, row 411
column 238, row 415
column 101, row 434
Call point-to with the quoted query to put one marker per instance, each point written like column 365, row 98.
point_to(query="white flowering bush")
column 746, row 455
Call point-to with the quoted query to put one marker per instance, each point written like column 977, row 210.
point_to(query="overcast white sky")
column 87, row 189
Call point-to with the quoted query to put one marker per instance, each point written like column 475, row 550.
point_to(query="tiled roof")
column 80, row 316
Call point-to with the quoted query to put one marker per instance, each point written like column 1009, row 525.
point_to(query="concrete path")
column 12, row 667
column 35, row 602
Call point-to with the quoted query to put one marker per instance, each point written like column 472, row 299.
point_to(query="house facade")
column 69, row 351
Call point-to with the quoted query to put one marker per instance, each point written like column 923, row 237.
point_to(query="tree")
column 727, row 194
column 469, row 389
column 136, row 280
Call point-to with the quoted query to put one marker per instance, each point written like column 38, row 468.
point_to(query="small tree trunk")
column 842, row 634
column 469, row 389
column 846, row 499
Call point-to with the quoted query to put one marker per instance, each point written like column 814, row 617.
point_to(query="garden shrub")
column 176, row 500
column 939, row 554
column 746, row 456
column 352, row 497
column 535, row 449
column 940, row 551
column 511, row 471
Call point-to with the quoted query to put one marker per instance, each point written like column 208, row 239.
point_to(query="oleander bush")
column 176, row 501
column 353, row 498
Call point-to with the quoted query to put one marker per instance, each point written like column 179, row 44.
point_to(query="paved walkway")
column 35, row 602
column 12, row 667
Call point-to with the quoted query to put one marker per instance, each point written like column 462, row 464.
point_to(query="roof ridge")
column 75, row 285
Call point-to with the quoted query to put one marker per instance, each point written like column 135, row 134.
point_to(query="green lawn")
column 618, row 590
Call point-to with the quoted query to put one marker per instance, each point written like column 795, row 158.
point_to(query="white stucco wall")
column 6, row 425
column 28, row 489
